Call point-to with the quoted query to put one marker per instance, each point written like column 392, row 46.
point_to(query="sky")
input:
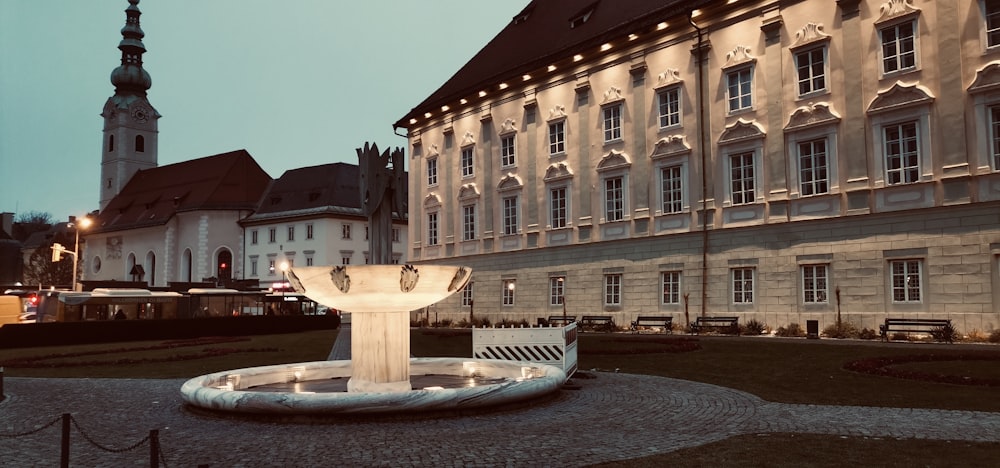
column 296, row 84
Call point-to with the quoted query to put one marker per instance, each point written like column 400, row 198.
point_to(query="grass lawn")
column 781, row 370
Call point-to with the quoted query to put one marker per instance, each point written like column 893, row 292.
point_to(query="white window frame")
column 824, row 132
column 673, row 199
column 272, row 235
column 557, row 137
column 613, row 283
column 507, row 294
column 815, row 283
column 468, row 161
column 433, row 233
column 309, row 231
column 753, row 178
column 291, row 233
column 669, row 107
column 509, row 207
column 345, row 231
column 609, row 199
column 742, row 283
column 739, row 94
column 818, row 171
column 469, row 222
column 253, row 266
column 813, row 73
column 993, row 116
column 908, row 169
column 990, row 31
column 559, row 213
column 508, row 150
column 557, row 290
column 253, row 237
column 898, row 58
column 432, row 172
column 906, row 283
column 670, row 287
column 880, row 120
column 611, row 118
column 467, row 294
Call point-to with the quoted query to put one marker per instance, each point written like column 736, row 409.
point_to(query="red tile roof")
column 228, row 181
column 546, row 32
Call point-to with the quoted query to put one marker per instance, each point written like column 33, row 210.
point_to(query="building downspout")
column 704, row 164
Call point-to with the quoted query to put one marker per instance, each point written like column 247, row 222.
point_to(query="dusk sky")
column 296, row 84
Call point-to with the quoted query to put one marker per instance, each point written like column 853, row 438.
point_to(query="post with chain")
column 64, row 455
column 1, row 384
column 154, row 448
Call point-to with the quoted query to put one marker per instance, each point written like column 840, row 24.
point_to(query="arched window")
column 111, row 143
column 224, row 265
column 140, row 144
column 186, row 260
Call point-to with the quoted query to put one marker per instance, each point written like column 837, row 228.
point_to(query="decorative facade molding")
column 896, row 9
column 614, row 160
column 582, row 84
column 508, row 126
column 432, row 151
column 741, row 130
column 432, row 201
column 612, row 95
column 468, row 192
column 468, row 140
column 558, row 171
column 739, row 56
column 987, row 79
column 669, row 77
column 900, row 96
column 510, row 182
column 812, row 115
column 810, row 34
column 673, row 145
column 557, row 112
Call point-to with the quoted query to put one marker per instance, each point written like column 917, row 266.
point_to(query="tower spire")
column 130, row 77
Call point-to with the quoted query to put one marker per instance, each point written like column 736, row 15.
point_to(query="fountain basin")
column 490, row 383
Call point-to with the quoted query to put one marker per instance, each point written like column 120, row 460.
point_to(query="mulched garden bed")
column 884, row 366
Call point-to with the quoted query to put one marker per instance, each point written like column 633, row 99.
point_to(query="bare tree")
column 30, row 222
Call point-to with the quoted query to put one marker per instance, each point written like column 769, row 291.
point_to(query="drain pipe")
column 704, row 163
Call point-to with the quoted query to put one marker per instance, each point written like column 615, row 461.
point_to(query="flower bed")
column 884, row 366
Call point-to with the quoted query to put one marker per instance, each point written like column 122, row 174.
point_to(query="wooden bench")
column 561, row 320
column 665, row 321
column 723, row 324
column 597, row 322
column 940, row 329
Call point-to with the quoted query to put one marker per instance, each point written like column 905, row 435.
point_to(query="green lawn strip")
column 782, row 450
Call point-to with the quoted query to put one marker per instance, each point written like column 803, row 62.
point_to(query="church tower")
column 129, row 120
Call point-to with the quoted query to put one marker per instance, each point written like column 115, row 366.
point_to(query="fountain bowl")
column 506, row 382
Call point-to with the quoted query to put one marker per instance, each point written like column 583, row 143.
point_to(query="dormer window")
column 583, row 16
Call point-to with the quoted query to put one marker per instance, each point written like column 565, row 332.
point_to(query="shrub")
column 507, row 323
column 995, row 336
column 945, row 333
column 753, row 327
column 420, row 322
column 844, row 330
column 975, row 336
column 868, row 334
column 443, row 323
column 793, row 329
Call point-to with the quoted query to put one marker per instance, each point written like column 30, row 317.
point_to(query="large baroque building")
column 781, row 161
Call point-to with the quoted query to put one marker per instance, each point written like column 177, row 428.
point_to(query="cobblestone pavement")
column 610, row 417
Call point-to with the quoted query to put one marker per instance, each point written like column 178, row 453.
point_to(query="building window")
column 742, row 285
column 508, row 292
column 898, row 47
column 742, row 183
column 902, row 154
column 272, row 235
column 557, row 137
column 432, row 171
column 510, row 215
column 140, row 144
column 253, row 237
column 671, row 287
column 557, row 208
column 345, row 231
column 309, row 231
column 469, row 222
column 366, row 232
column 814, row 284
column 467, row 294
column 995, row 137
column 811, row 66
column 345, row 259
column 395, row 234
column 507, row 158
column 270, row 267
column 253, row 267
column 992, row 12
column 468, row 163
column 612, row 123
column 813, row 172
column 671, row 189
column 309, row 261
column 557, row 290
column 291, row 233
column 614, row 199
column 905, row 280
column 739, row 89
column 432, row 228
column 669, row 106
column 613, row 289
column 111, row 143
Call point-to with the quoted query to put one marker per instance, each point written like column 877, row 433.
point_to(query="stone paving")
column 610, row 417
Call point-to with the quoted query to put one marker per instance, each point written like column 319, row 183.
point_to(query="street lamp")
column 284, row 283
column 58, row 249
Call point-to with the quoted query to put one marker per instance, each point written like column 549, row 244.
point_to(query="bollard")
column 154, row 448
column 1, row 384
column 64, row 453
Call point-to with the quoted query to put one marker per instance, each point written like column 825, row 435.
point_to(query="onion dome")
column 130, row 77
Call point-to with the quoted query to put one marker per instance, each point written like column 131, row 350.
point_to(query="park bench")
column 940, row 329
column 597, row 322
column 664, row 321
column 722, row 324
column 561, row 320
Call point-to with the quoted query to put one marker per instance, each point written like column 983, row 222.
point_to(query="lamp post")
column 58, row 249
column 284, row 283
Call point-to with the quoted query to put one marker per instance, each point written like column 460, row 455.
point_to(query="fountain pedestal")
column 380, row 352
